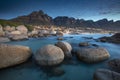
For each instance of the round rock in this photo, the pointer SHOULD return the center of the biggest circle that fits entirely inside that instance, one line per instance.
(11, 55)
(66, 47)
(49, 55)
(92, 55)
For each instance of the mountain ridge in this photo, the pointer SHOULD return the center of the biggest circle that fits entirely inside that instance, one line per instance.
(41, 18)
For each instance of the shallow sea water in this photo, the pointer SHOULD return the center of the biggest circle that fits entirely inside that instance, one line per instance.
(71, 69)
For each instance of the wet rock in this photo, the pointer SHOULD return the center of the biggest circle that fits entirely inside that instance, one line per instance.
(11, 55)
(66, 47)
(104, 74)
(84, 44)
(59, 33)
(60, 38)
(113, 39)
(104, 39)
(49, 55)
(115, 64)
(92, 55)
(95, 45)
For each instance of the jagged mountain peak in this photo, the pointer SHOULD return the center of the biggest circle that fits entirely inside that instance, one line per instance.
(34, 18)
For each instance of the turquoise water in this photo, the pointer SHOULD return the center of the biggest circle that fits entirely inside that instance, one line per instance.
(69, 70)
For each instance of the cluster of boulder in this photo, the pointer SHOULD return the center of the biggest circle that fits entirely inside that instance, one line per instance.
(8, 33)
(44, 33)
(20, 32)
(51, 55)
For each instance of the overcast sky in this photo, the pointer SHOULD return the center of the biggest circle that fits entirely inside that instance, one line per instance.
(86, 9)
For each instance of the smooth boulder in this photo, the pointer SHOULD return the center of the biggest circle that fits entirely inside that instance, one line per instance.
(104, 74)
(11, 55)
(22, 29)
(19, 37)
(92, 55)
(66, 47)
(4, 39)
(49, 55)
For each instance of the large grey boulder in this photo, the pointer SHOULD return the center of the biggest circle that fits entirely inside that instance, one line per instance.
(19, 37)
(49, 55)
(22, 29)
(92, 55)
(66, 47)
(4, 39)
(16, 35)
(11, 55)
(104, 74)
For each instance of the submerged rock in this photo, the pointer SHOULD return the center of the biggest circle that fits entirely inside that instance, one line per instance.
(60, 38)
(84, 44)
(92, 55)
(57, 72)
(115, 64)
(66, 47)
(104, 74)
(11, 55)
(49, 55)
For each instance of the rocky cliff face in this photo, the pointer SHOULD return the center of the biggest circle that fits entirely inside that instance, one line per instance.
(35, 18)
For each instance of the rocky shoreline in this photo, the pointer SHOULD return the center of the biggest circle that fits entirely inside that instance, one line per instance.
(11, 33)
(52, 55)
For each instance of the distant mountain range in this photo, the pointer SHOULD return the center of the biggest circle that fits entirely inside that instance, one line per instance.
(40, 18)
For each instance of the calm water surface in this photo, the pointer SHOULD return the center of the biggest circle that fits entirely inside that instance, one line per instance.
(69, 70)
